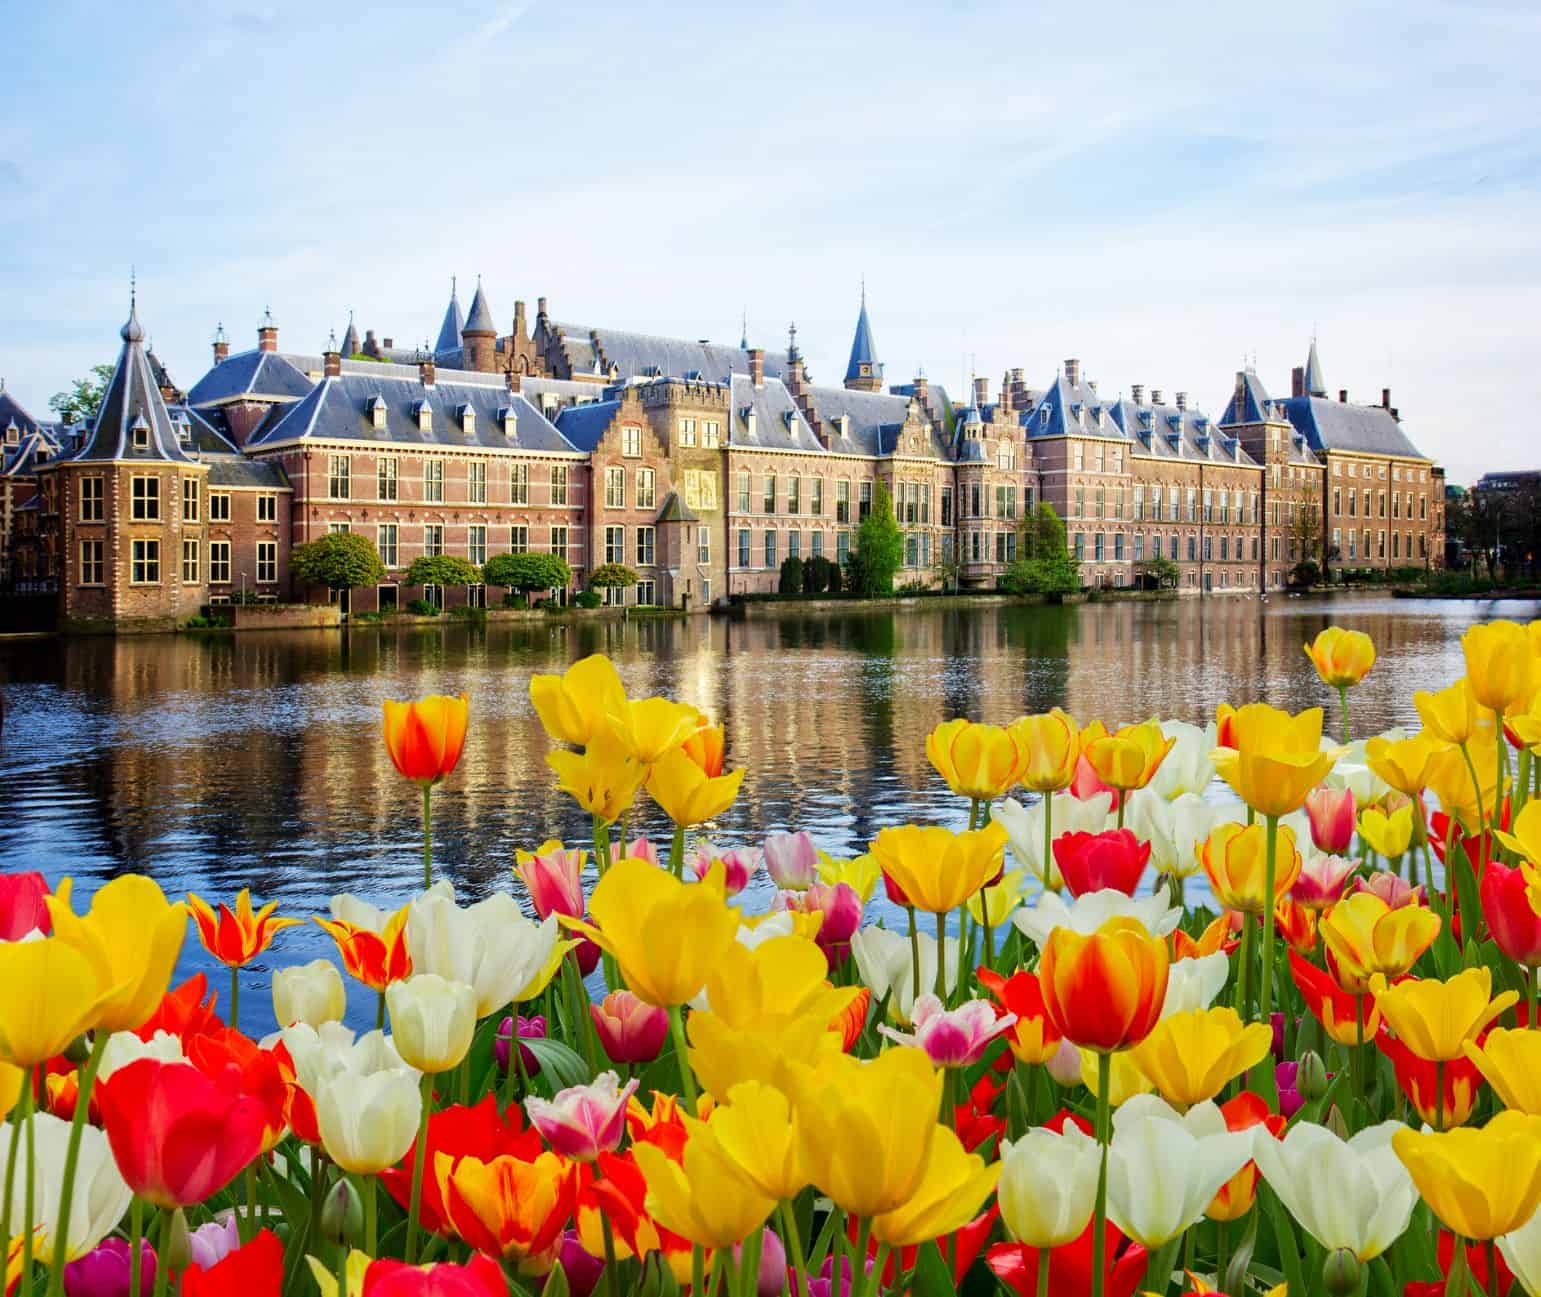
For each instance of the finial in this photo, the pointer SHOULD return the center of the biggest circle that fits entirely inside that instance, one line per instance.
(453, 287)
(743, 330)
(331, 340)
(864, 290)
(133, 288)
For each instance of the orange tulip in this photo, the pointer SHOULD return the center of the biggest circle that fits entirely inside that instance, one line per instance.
(1215, 938)
(706, 747)
(1033, 1038)
(375, 958)
(237, 937)
(1235, 857)
(1296, 924)
(508, 1207)
(852, 1019)
(1129, 757)
(1341, 657)
(424, 738)
(1104, 992)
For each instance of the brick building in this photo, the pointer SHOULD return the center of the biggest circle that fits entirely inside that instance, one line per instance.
(701, 465)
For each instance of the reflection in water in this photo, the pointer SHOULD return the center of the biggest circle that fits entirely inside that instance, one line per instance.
(213, 764)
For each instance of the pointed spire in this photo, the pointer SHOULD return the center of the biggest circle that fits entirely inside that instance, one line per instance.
(863, 370)
(743, 331)
(480, 319)
(350, 342)
(793, 354)
(449, 331)
(1316, 385)
(132, 330)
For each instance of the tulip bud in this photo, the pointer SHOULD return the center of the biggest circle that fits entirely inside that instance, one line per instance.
(1340, 1273)
(342, 1217)
(1311, 1078)
(1335, 1122)
(78, 1050)
(179, 1247)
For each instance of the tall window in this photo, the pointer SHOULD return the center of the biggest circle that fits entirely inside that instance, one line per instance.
(842, 547)
(711, 433)
(559, 541)
(770, 493)
(219, 562)
(219, 506)
(816, 506)
(476, 483)
(615, 544)
(146, 500)
(433, 539)
(615, 488)
(794, 494)
(703, 544)
(190, 562)
(91, 565)
(91, 500)
(267, 562)
(631, 441)
(794, 543)
(385, 477)
(864, 501)
(687, 432)
(743, 493)
(433, 481)
(646, 490)
(646, 546)
(519, 539)
(947, 506)
(339, 477)
(519, 484)
(818, 543)
(843, 500)
(476, 543)
(744, 543)
(387, 544)
(146, 562)
(770, 548)
(190, 500)
(559, 484)
(267, 508)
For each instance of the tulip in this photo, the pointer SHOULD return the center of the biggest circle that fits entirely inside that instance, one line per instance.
(255, 1270)
(1048, 1209)
(1193, 983)
(1125, 1080)
(432, 1021)
(553, 876)
(955, 1185)
(1442, 1092)
(1191, 1056)
(583, 1121)
(50, 992)
(739, 865)
(1071, 1270)
(1514, 924)
(1450, 716)
(629, 1030)
(1215, 939)
(687, 794)
(1341, 657)
(1331, 813)
(1402, 763)
(937, 868)
(1174, 830)
(1321, 881)
(1187, 769)
(1392, 890)
(1510, 1059)
(1387, 834)
(1050, 746)
(1090, 862)
(424, 740)
(481, 1276)
(705, 1197)
(1196, 1157)
(105, 1271)
(841, 909)
(1479, 1183)
(791, 860)
(650, 727)
(639, 848)
(1352, 1194)
(311, 993)
(1033, 1039)
(576, 707)
(23, 905)
(503, 1043)
(603, 780)
(1295, 924)
(1286, 1080)
(178, 1135)
(757, 1130)
(373, 945)
(1276, 759)
(367, 1121)
(236, 937)
(1088, 913)
(1366, 936)
(1246, 1112)
(1236, 861)
(1129, 757)
(1500, 665)
(860, 873)
(1349, 1017)
(490, 946)
(980, 762)
(952, 1038)
(97, 1204)
(1435, 1019)
(707, 747)
(1031, 829)
(211, 1243)
(1104, 991)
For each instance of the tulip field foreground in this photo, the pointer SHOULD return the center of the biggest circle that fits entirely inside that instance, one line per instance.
(1054, 1075)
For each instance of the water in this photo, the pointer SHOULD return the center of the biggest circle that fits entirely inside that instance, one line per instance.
(218, 763)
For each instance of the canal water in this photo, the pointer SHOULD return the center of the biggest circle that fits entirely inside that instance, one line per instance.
(255, 761)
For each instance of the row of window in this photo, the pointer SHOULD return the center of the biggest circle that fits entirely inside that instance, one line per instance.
(1224, 551)
(145, 562)
(643, 494)
(1366, 495)
(1361, 544)
(478, 536)
(145, 501)
(1413, 474)
(644, 552)
(339, 481)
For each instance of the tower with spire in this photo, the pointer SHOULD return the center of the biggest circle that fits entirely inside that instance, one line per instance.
(863, 373)
(449, 331)
(479, 333)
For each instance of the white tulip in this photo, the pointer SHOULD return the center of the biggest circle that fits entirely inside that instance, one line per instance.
(1175, 829)
(320, 1054)
(124, 1047)
(1194, 983)
(490, 946)
(1354, 1194)
(97, 1203)
(1522, 1250)
(885, 962)
(311, 993)
(1024, 827)
(779, 924)
(1065, 1065)
(1164, 1168)
(369, 1120)
(1088, 913)
(432, 1021)
(1187, 767)
(359, 913)
(1048, 1185)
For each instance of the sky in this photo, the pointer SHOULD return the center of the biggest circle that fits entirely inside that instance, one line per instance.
(1166, 192)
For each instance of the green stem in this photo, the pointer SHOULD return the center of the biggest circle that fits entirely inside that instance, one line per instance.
(86, 1083)
(698, 1270)
(989, 932)
(419, 1160)
(577, 1009)
(427, 847)
(963, 949)
(162, 1251)
(1356, 1064)
(29, 1216)
(1490, 1250)
(1045, 1257)
(677, 852)
(136, 1244)
(246, 1230)
(1244, 969)
(914, 954)
(973, 814)
(371, 1218)
(1265, 988)
(602, 846)
(859, 1257)
(1048, 839)
(1457, 1285)
(687, 1078)
(235, 996)
(1521, 785)
(794, 1243)
(1343, 698)
(10, 1191)
(1221, 1255)
(941, 959)
(1123, 796)
(1530, 997)
(1100, 1215)
(748, 1262)
(380, 1012)
(317, 1193)
(612, 1277)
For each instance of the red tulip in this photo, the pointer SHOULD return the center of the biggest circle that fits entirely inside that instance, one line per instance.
(1070, 1267)
(1330, 812)
(481, 1276)
(185, 1012)
(255, 1270)
(975, 1121)
(22, 907)
(1090, 862)
(236, 1060)
(1476, 1262)
(176, 1134)
(629, 1030)
(1506, 907)
(1336, 1009)
(1419, 1081)
(959, 1250)
(1087, 783)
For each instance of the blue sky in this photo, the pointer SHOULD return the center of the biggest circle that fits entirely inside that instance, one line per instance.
(1159, 190)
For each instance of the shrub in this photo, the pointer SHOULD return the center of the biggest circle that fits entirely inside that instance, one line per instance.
(611, 576)
(527, 572)
(443, 569)
(515, 601)
(466, 613)
(1305, 572)
(791, 576)
(342, 560)
(422, 608)
(833, 576)
(587, 599)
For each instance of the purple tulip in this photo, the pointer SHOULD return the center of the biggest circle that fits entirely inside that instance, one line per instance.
(1276, 1021)
(213, 1242)
(529, 1029)
(773, 1264)
(1290, 1101)
(104, 1271)
(582, 1269)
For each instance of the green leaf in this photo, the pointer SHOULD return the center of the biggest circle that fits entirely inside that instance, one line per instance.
(1241, 1257)
(559, 1063)
(933, 1276)
(1284, 1239)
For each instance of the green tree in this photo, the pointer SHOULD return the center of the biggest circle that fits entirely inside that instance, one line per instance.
(343, 560)
(612, 576)
(1045, 565)
(879, 547)
(84, 397)
(527, 573)
(442, 570)
(1157, 573)
(791, 579)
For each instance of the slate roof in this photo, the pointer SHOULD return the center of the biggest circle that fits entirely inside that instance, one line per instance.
(584, 425)
(207, 429)
(674, 509)
(260, 375)
(1338, 425)
(131, 402)
(876, 419)
(1316, 385)
(238, 471)
(480, 319)
(1067, 408)
(21, 460)
(340, 408)
(1250, 403)
(13, 412)
(778, 423)
(449, 331)
(863, 349)
(626, 355)
(1165, 432)
(937, 403)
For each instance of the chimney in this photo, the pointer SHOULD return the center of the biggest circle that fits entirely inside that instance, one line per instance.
(1182, 400)
(1155, 396)
(519, 330)
(221, 345)
(1298, 381)
(540, 308)
(511, 379)
(331, 359)
(1008, 403)
(1343, 395)
(267, 333)
(922, 388)
(371, 344)
(1137, 393)
(425, 371)
(981, 392)
(1385, 398)
(1073, 372)
(757, 366)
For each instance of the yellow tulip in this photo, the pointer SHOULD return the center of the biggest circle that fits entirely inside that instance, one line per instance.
(709, 1200)
(575, 707)
(648, 728)
(995, 904)
(1510, 1059)
(1190, 1056)
(1480, 1183)
(1050, 746)
(50, 992)
(1129, 757)
(1526, 838)
(1366, 937)
(978, 761)
(950, 1194)
(1450, 778)
(724, 1056)
(866, 1128)
(687, 793)
(1402, 763)
(1500, 665)
(1526, 725)
(10, 1086)
(1341, 657)
(603, 779)
(1275, 759)
(1451, 715)
(1388, 835)
(667, 936)
(936, 868)
(781, 978)
(757, 1129)
(141, 934)
(1235, 860)
(1125, 1079)
(1435, 1019)
(860, 872)
(357, 1266)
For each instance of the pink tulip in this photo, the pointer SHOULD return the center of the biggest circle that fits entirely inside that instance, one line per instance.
(1331, 813)
(1087, 783)
(1391, 888)
(740, 863)
(840, 906)
(630, 1030)
(792, 860)
(953, 1037)
(22, 907)
(529, 1029)
(583, 1121)
(1321, 881)
(1065, 1066)
(211, 1243)
(641, 849)
(554, 877)
(772, 1277)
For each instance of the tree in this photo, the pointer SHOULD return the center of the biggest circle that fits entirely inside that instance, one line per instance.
(84, 397)
(1158, 573)
(527, 573)
(612, 576)
(1046, 566)
(816, 574)
(343, 560)
(442, 570)
(791, 579)
(879, 547)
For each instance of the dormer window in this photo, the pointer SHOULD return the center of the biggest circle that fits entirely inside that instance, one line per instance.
(468, 420)
(1043, 415)
(749, 421)
(12, 433)
(424, 417)
(184, 433)
(791, 417)
(140, 433)
(377, 413)
(844, 423)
